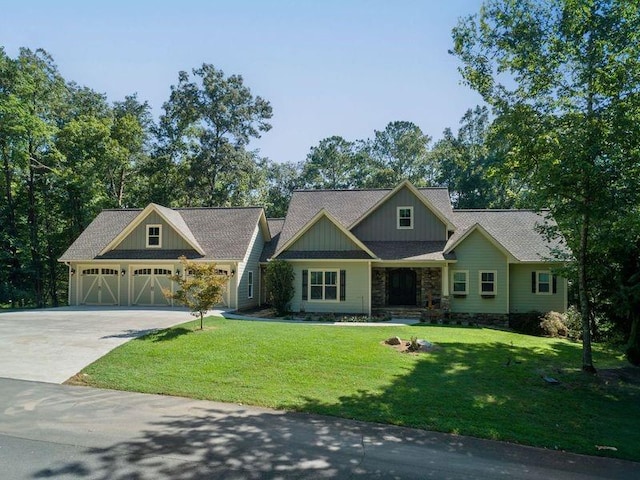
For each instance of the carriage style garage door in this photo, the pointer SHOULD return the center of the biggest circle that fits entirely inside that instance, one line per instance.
(147, 284)
(100, 285)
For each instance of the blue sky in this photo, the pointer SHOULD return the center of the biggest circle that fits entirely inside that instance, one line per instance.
(328, 67)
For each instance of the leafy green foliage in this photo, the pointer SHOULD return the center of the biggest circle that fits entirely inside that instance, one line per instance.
(279, 279)
(562, 78)
(200, 287)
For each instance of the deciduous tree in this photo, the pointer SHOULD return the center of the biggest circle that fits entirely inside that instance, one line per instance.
(563, 78)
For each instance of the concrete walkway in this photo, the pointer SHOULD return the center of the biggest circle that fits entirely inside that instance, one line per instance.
(64, 432)
(51, 345)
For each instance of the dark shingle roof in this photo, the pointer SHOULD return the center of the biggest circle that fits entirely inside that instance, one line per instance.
(409, 250)
(346, 206)
(275, 227)
(222, 233)
(516, 230)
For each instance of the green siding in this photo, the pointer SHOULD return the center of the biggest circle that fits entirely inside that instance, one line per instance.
(523, 300)
(381, 225)
(357, 288)
(323, 235)
(137, 240)
(474, 254)
(252, 264)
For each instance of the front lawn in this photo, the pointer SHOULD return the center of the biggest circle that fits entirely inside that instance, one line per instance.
(480, 382)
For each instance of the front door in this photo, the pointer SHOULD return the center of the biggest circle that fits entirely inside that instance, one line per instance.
(402, 287)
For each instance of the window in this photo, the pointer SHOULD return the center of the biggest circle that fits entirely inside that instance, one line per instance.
(405, 218)
(110, 271)
(142, 271)
(323, 285)
(161, 271)
(250, 285)
(543, 283)
(460, 282)
(154, 236)
(91, 271)
(487, 283)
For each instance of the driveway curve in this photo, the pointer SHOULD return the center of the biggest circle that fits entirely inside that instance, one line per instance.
(51, 345)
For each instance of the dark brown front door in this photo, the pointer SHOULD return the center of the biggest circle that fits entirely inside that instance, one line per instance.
(402, 287)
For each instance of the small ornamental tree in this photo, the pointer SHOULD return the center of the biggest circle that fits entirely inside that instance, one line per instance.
(279, 282)
(200, 289)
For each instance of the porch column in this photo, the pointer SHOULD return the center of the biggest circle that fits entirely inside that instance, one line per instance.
(370, 290)
(445, 280)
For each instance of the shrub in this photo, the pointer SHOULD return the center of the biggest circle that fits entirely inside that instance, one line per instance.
(573, 321)
(527, 323)
(279, 281)
(553, 325)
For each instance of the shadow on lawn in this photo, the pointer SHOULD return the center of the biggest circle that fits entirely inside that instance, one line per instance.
(499, 391)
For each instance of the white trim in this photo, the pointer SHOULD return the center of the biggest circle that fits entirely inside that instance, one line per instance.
(323, 213)
(324, 285)
(152, 207)
(550, 282)
(148, 227)
(466, 282)
(369, 291)
(487, 235)
(423, 198)
(411, 218)
(495, 282)
(445, 280)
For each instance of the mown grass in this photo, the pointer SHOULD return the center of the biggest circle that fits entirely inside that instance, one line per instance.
(480, 382)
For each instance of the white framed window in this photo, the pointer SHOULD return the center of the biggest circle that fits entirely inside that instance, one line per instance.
(543, 282)
(460, 282)
(154, 236)
(250, 284)
(405, 218)
(487, 282)
(323, 285)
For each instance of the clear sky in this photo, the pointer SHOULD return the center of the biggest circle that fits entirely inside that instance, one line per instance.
(328, 67)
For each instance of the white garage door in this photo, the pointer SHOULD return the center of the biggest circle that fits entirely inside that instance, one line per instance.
(147, 284)
(100, 285)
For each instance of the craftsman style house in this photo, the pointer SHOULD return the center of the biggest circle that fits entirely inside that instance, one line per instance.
(353, 251)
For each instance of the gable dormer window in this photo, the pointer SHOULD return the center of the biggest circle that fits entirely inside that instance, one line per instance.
(154, 236)
(405, 218)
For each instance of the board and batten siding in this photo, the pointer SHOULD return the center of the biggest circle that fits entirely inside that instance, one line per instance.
(476, 253)
(381, 225)
(323, 235)
(356, 292)
(523, 299)
(251, 263)
(137, 240)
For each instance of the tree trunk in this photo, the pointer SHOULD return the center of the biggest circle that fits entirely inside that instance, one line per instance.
(32, 218)
(12, 229)
(585, 307)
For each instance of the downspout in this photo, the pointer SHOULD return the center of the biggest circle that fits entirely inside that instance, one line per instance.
(369, 289)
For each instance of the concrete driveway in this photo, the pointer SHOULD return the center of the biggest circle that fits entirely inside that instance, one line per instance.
(54, 344)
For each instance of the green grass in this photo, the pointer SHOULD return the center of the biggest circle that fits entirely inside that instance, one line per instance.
(481, 382)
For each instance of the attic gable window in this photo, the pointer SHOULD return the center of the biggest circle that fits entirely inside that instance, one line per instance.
(405, 218)
(154, 236)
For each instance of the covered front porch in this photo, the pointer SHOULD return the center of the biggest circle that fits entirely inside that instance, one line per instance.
(414, 291)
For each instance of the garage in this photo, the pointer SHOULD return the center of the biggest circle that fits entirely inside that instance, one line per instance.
(147, 283)
(100, 285)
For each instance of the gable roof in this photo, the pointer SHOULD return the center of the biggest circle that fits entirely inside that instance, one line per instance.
(172, 218)
(221, 234)
(516, 231)
(420, 195)
(323, 213)
(348, 206)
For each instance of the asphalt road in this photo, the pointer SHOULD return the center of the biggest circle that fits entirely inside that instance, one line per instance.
(65, 432)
